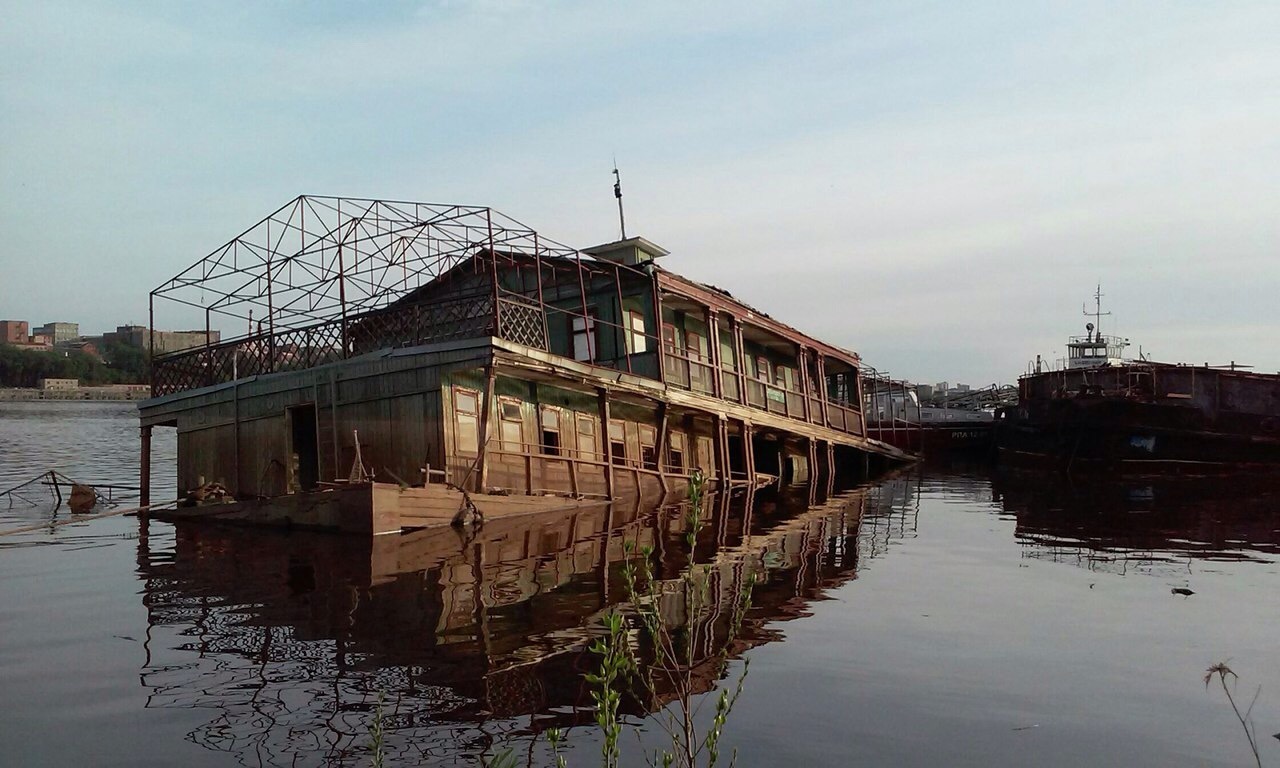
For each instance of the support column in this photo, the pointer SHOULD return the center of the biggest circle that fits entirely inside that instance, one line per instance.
(813, 461)
(490, 380)
(606, 449)
(831, 467)
(713, 351)
(660, 446)
(721, 452)
(749, 454)
(806, 386)
(823, 419)
(144, 469)
(735, 327)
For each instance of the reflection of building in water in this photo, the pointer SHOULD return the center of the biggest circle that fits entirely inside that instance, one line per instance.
(290, 638)
(1154, 525)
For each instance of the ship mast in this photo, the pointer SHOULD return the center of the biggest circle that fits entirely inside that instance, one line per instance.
(1097, 313)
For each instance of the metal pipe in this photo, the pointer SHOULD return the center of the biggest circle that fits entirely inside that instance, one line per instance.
(627, 333)
(342, 283)
(271, 323)
(493, 261)
(587, 325)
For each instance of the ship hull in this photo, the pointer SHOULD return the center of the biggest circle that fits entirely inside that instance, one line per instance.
(1141, 430)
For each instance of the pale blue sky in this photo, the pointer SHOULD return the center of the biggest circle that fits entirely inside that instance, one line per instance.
(937, 186)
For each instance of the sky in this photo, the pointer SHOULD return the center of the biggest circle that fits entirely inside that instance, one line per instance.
(938, 186)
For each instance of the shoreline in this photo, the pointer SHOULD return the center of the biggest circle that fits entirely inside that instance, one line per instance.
(16, 394)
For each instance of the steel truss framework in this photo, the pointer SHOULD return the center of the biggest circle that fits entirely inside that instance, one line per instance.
(325, 278)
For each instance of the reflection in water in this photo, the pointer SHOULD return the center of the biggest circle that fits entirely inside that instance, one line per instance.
(289, 639)
(1157, 526)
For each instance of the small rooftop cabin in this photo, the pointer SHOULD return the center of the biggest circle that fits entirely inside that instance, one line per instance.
(1094, 350)
(423, 344)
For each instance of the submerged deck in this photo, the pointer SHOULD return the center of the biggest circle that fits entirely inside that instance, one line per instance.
(377, 508)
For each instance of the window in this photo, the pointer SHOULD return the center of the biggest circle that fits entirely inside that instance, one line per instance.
(669, 338)
(762, 369)
(727, 357)
(466, 412)
(637, 341)
(550, 430)
(693, 343)
(618, 442)
(583, 330)
(512, 425)
(675, 454)
(648, 447)
(587, 446)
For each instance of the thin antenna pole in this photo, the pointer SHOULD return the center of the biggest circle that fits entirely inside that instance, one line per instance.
(617, 192)
(1097, 313)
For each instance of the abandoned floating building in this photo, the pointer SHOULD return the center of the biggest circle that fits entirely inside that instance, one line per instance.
(451, 347)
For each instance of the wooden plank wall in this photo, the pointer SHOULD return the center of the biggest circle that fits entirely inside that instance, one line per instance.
(392, 400)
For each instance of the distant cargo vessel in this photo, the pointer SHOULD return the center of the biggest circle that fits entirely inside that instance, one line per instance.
(895, 415)
(1103, 411)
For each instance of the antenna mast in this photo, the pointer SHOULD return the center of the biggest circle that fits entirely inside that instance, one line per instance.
(617, 192)
(1097, 313)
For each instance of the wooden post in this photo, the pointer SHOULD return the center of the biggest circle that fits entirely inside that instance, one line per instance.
(605, 446)
(485, 418)
(660, 447)
(749, 454)
(713, 351)
(822, 391)
(813, 461)
(831, 467)
(802, 376)
(144, 470)
(721, 452)
(739, 349)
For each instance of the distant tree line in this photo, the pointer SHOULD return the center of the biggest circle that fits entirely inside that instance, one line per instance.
(120, 364)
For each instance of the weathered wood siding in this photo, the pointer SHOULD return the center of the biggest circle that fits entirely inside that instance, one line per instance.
(390, 399)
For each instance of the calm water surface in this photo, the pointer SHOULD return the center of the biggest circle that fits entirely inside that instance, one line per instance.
(937, 617)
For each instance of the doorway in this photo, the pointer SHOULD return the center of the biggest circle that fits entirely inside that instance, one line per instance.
(306, 453)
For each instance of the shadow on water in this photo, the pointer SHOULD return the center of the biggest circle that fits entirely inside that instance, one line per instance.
(472, 640)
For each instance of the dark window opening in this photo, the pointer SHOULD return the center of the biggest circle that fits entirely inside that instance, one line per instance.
(550, 431)
(648, 451)
(617, 442)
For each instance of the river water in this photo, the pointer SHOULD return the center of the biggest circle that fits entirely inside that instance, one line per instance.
(939, 616)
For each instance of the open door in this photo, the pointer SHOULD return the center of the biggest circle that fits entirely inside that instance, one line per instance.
(305, 447)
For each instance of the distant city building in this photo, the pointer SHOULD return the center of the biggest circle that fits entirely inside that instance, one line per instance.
(924, 391)
(14, 331)
(165, 341)
(41, 339)
(61, 332)
(59, 384)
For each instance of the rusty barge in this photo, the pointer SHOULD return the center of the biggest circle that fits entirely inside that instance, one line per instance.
(403, 362)
(1102, 411)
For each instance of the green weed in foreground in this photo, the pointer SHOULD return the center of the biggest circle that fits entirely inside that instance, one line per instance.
(665, 655)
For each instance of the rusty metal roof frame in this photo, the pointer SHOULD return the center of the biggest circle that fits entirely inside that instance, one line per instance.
(317, 259)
